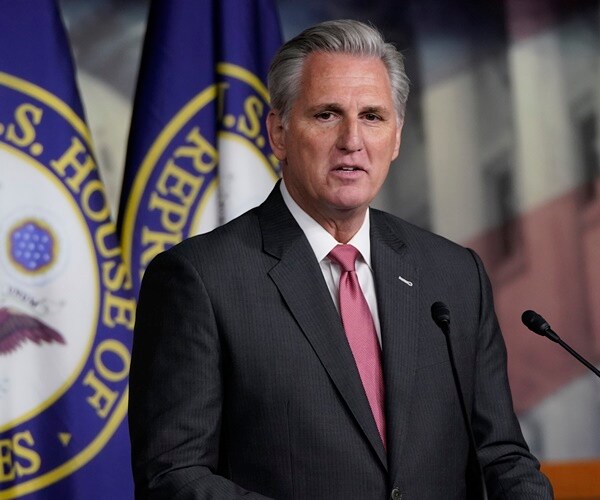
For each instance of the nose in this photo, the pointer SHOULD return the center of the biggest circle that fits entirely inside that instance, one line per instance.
(350, 137)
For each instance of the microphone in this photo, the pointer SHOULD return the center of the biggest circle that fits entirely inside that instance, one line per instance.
(537, 324)
(441, 316)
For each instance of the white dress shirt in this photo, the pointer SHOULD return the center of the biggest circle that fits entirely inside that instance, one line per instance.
(322, 243)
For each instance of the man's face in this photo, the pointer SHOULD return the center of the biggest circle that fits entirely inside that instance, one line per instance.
(341, 136)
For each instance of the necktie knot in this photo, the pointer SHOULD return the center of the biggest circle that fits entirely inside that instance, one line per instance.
(345, 256)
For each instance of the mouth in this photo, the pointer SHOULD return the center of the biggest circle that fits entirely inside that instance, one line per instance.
(348, 168)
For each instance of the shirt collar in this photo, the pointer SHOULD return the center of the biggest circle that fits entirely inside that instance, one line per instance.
(320, 240)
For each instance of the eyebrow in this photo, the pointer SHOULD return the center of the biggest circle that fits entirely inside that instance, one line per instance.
(328, 106)
(378, 110)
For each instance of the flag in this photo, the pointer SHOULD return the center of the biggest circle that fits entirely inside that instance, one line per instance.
(66, 306)
(198, 152)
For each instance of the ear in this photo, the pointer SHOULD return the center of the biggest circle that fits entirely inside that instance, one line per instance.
(276, 135)
(398, 140)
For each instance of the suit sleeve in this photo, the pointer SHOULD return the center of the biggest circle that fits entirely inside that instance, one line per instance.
(510, 470)
(176, 388)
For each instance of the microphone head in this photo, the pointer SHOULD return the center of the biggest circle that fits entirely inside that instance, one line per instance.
(535, 322)
(440, 314)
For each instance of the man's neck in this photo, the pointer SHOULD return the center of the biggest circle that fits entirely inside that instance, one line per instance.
(341, 224)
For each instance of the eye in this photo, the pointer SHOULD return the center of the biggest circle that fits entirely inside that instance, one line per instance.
(325, 116)
(372, 117)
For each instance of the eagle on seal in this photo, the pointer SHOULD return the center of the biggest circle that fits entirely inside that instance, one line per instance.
(16, 328)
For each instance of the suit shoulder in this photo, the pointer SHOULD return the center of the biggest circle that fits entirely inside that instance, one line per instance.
(448, 268)
(230, 238)
(417, 238)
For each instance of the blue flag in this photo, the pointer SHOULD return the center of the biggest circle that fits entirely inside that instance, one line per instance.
(198, 152)
(66, 306)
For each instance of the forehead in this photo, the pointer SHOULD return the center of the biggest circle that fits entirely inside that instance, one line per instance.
(344, 72)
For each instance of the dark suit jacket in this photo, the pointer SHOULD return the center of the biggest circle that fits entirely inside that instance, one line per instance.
(242, 379)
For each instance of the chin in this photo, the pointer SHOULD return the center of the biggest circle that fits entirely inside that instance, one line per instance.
(352, 195)
(349, 204)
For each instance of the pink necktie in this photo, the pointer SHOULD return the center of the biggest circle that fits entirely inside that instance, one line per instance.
(361, 333)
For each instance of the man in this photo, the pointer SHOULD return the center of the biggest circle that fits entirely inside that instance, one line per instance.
(263, 368)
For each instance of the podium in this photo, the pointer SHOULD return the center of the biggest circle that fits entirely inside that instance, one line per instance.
(574, 480)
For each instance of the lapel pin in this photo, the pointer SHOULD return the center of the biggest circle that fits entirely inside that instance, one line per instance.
(404, 280)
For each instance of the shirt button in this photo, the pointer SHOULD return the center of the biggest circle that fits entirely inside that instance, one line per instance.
(395, 495)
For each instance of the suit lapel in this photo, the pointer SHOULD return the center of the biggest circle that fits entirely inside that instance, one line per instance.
(299, 279)
(398, 305)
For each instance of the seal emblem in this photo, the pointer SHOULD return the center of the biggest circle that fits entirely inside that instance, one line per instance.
(66, 307)
(174, 193)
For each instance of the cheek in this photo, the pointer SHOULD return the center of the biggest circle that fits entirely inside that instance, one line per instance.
(381, 175)
(319, 138)
(386, 150)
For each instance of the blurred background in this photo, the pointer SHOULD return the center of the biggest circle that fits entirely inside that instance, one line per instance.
(500, 152)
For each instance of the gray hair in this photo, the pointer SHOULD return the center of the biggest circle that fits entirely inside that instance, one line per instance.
(344, 36)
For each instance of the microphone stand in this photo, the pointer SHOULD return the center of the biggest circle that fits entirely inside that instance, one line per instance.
(441, 316)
